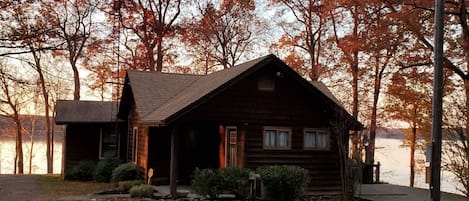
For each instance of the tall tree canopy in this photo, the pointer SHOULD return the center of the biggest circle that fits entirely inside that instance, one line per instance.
(222, 34)
(154, 23)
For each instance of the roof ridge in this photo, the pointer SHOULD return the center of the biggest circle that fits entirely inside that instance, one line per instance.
(165, 73)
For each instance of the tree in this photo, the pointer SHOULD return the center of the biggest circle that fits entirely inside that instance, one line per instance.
(73, 24)
(154, 22)
(418, 19)
(30, 30)
(12, 100)
(222, 34)
(306, 34)
(455, 157)
(409, 100)
(349, 44)
(383, 42)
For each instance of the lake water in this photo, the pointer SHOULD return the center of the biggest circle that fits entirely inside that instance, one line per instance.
(395, 166)
(393, 157)
(39, 162)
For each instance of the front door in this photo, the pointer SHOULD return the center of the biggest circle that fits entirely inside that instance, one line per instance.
(231, 146)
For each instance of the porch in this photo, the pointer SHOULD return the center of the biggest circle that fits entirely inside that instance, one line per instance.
(186, 147)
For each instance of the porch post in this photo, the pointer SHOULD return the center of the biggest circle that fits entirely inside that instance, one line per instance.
(174, 163)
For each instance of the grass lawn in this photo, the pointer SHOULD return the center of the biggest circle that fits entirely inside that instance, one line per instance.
(52, 187)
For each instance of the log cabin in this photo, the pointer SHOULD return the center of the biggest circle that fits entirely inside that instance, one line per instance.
(254, 114)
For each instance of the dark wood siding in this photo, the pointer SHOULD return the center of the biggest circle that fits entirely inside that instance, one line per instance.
(323, 166)
(288, 105)
(142, 148)
(82, 143)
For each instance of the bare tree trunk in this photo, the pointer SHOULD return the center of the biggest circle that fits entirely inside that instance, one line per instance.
(31, 155)
(52, 132)
(412, 156)
(159, 55)
(76, 78)
(370, 152)
(354, 71)
(16, 164)
(19, 144)
(33, 129)
(45, 95)
(346, 169)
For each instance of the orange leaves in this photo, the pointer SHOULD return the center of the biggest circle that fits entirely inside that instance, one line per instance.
(154, 23)
(220, 36)
(295, 61)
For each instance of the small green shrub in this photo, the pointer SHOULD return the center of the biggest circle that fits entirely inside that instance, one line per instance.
(141, 191)
(210, 183)
(235, 180)
(125, 186)
(104, 169)
(206, 182)
(283, 183)
(84, 171)
(125, 172)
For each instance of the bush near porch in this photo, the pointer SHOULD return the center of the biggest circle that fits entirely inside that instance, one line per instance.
(283, 183)
(280, 183)
(211, 183)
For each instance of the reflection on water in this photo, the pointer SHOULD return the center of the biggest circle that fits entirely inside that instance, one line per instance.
(393, 157)
(39, 162)
(395, 166)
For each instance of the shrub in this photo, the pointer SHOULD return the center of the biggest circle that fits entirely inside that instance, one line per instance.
(140, 191)
(125, 186)
(103, 171)
(210, 183)
(84, 171)
(125, 172)
(206, 183)
(235, 180)
(283, 183)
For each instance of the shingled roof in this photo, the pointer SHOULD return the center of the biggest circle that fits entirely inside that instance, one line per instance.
(152, 89)
(162, 97)
(70, 111)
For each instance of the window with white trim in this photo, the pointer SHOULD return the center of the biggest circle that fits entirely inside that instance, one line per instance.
(316, 139)
(277, 138)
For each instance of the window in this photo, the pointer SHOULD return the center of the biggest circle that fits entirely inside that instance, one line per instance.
(134, 144)
(231, 146)
(108, 147)
(316, 139)
(266, 83)
(277, 138)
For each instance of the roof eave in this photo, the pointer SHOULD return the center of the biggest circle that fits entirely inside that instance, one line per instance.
(153, 123)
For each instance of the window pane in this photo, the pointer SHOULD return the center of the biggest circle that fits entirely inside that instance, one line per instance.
(269, 138)
(322, 140)
(283, 138)
(108, 143)
(310, 140)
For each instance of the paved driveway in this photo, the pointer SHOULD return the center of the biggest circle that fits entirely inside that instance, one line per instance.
(14, 187)
(388, 192)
